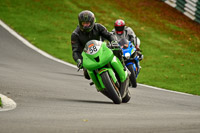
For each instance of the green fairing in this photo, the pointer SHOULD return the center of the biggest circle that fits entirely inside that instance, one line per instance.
(116, 64)
(90, 63)
(106, 56)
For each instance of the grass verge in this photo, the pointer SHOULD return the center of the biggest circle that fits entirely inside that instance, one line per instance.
(169, 40)
(1, 105)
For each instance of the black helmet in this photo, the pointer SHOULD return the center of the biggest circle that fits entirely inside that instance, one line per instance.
(86, 17)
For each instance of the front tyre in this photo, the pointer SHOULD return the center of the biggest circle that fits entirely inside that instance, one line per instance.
(127, 97)
(111, 88)
(132, 76)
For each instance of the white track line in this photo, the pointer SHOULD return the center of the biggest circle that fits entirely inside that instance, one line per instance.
(156, 88)
(66, 63)
(32, 46)
(8, 104)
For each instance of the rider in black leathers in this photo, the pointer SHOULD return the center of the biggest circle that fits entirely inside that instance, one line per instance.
(88, 30)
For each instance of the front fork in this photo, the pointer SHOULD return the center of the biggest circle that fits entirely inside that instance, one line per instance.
(136, 65)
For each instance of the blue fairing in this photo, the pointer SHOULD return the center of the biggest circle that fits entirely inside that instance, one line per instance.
(131, 49)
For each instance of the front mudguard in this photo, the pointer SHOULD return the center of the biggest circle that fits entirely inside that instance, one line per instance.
(131, 63)
(97, 80)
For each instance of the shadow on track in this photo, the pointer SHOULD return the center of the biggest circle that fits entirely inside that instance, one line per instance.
(86, 101)
(71, 74)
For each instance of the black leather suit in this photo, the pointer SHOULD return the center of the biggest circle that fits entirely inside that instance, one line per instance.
(80, 38)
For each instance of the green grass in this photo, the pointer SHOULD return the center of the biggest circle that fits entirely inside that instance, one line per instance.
(1, 105)
(171, 50)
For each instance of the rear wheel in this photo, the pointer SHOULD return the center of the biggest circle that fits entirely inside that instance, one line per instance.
(132, 76)
(111, 88)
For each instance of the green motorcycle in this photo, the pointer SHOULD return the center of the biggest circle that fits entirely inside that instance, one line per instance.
(106, 71)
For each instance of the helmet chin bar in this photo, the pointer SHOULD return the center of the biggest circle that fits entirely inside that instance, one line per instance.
(119, 32)
(86, 24)
(87, 28)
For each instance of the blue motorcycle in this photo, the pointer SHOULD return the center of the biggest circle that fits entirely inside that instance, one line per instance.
(131, 60)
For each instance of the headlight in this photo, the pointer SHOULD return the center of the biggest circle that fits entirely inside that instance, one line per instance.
(127, 55)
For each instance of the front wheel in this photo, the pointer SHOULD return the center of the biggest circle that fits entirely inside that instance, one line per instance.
(111, 88)
(132, 76)
(127, 97)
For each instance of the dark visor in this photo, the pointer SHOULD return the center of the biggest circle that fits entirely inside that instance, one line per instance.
(120, 28)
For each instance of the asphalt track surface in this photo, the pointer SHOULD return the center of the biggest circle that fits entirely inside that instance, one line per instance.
(54, 98)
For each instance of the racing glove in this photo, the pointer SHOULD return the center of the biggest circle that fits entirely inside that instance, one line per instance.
(79, 63)
(114, 44)
(137, 48)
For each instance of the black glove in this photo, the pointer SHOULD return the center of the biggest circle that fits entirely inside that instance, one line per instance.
(79, 63)
(114, 44)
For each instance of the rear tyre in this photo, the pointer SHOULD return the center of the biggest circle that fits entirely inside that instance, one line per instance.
(111, 88)
(132, 76)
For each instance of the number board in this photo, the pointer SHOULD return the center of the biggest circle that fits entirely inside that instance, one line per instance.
(93, 49)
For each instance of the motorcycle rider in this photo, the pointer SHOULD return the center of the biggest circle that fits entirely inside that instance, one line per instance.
(88, 30)
(122, 31)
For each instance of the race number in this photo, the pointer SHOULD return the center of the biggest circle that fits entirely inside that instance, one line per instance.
(93, 49)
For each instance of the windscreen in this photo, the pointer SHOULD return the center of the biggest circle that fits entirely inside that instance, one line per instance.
(124, 43)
